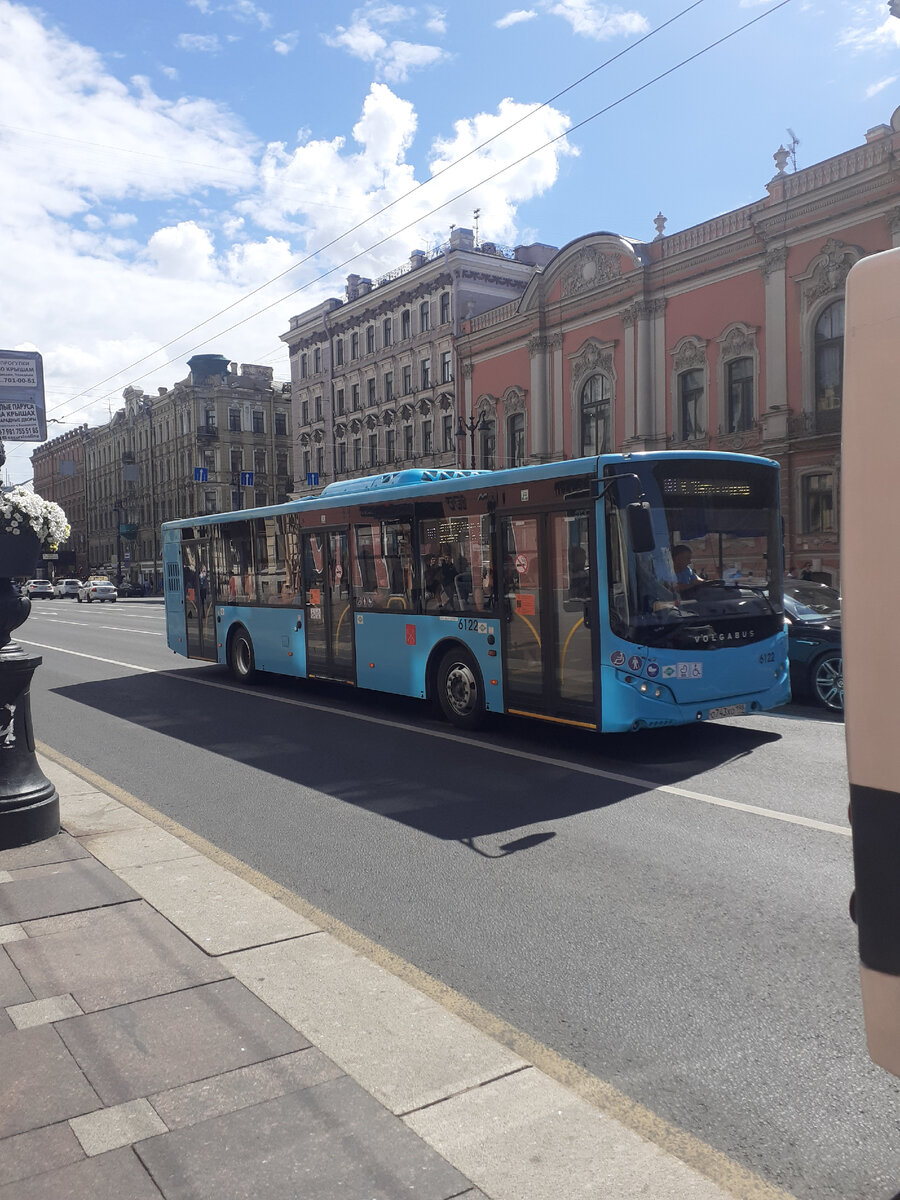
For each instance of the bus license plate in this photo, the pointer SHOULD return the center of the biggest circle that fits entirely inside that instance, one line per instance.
(730, 710)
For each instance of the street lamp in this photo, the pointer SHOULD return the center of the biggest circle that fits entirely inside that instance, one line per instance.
(471, 427)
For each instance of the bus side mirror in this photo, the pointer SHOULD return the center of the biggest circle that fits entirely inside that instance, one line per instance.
(640, 527)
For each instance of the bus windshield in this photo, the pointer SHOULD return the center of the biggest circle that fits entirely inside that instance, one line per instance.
(710, 576)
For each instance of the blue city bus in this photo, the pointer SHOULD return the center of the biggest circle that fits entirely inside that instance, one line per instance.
(552, 591)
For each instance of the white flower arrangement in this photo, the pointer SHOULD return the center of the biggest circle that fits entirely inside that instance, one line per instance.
(22, 511)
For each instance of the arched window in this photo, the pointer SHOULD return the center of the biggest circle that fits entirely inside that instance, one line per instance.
(488, 444)
(740, 394)
(690, 405)
(596, 397)
(515, 440)
(829, 360)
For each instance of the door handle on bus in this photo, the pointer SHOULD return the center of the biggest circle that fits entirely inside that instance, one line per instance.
(587, 616)
(299, 625)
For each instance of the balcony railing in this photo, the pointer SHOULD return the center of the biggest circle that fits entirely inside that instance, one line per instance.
(207, 433)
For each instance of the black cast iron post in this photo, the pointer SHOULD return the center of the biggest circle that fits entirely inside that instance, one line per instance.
(29, 804)
(471, 427)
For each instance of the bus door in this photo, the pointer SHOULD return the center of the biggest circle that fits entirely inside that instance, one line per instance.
(329, 619)
(548, 602)
(198, 605)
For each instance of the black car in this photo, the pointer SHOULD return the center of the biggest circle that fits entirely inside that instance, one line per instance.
(813, 611)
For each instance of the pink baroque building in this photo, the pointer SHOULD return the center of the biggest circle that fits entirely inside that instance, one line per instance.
(725, 336)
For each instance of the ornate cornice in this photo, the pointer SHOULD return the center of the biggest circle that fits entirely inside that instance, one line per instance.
(829, 271)
(514, 400)
(737, 341)
(591, 268)
(775, 260)
(592, 358)
(486, 406)
(690, 352)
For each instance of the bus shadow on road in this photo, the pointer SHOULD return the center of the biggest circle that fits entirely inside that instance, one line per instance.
(449, 785)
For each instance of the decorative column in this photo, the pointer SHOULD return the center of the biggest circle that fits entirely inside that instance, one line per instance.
(628, 318)
(645, 429)
(557, 434)
(29, 805)
(775, 417)
(540, 400)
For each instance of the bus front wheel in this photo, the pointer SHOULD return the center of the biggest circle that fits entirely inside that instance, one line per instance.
(460, 691)
(241, 659)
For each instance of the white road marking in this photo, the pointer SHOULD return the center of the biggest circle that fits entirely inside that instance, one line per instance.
(115, 628)
(189, 676)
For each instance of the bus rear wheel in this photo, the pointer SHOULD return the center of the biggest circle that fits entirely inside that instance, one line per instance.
(460, 691)
(241, 659)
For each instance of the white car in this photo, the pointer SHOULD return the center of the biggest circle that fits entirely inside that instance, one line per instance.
(39, 589)
(97, 589)
(67, 587)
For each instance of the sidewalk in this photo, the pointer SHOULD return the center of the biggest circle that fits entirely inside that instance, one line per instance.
(167, 1029)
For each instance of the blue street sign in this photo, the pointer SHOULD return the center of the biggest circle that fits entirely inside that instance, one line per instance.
(312, 479)
(246, 479)
(201, 474)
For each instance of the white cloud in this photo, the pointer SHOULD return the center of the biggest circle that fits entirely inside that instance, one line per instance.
(393, 59)
(144, 215)
(204, 43)
(874, 88)
(437, 22)
(598, 20)
(286, 43)
(169, 72)
(869, 30)
(241, 10)
(516, 17)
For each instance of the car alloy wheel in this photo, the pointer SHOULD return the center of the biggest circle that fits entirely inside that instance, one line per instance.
(828, 681)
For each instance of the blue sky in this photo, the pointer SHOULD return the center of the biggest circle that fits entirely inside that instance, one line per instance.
(161, 163)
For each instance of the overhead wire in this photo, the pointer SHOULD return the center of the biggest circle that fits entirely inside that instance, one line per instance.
(391, 204)
(424, 216)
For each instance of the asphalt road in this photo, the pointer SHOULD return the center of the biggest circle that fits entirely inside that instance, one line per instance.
(668, 910)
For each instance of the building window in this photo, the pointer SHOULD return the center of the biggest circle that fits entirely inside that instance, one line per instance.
(339, 351)
(390, 443)
(407, 380)
(424, 317)
(317, 359)
(404, 323)
(446, 367)
(829, 359)
(340, 400)
(370, 339)
(304, 413)
(210, 419)
(234, 421)
(261, 499)
(281, 462)
(342, 456)
(389, 385)
(515, 440)
(447, 424)
(818, 503)
(739, 375)
(386, 332)
(426, 372)
(259, 425)
(427, 446)
(318, 408)
(596, 405)
(357, 453)
(209, 459)
(306, 464)
(445, 307)
(373, 449)
(280, 424)
(488, 445)
(690, 403)
(304, 365)
(259, 461)
(237, 458)
(320, 462)
(354, 397)
(407, 441)
(370, 392)
(354, 345)
(237, 500)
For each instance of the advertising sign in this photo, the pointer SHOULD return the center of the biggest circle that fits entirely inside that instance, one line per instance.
(23, 416)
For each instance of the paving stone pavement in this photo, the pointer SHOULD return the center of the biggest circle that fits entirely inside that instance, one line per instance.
(168, 1030)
